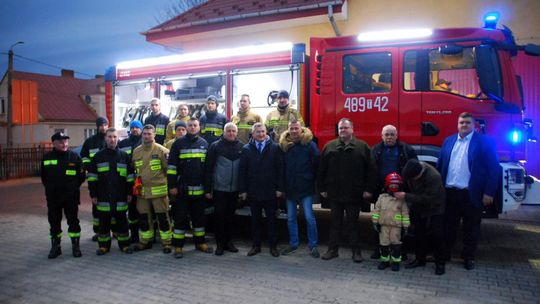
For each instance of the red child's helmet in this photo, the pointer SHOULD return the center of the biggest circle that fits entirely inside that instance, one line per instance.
(393, 182)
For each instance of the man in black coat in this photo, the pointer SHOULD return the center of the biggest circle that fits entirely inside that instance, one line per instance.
(261, 182)
(345, 178)
(62, 174)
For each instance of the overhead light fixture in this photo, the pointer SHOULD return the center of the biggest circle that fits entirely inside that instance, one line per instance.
(395, 35)
(206, 55)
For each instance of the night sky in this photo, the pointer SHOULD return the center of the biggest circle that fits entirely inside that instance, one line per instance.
(85, 36)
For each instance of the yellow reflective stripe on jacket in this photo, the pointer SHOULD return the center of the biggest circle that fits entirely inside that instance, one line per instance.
(195, 190)
(121, 206)
(244, 126)
(138, 163)
(102, 167)
(216, 131)
(86, 160)
(126, 149)
(93, 152)
(92, 177)
(375, 216)
(122, 169)
(130, 178)
(171, 170)
(405, 220)
(397, 218)
(51, 162)
(192, 153)
(155, 164)
(71, 172)
(160, 129)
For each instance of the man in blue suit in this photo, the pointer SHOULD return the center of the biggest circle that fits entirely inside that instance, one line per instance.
(470, 172)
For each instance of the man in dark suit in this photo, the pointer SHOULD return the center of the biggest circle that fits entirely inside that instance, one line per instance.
(470, 172)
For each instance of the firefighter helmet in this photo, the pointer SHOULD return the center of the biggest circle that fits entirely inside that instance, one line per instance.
(393, 182)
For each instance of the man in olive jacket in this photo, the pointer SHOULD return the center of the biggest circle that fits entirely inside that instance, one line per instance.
(427, 200)
(345, 178)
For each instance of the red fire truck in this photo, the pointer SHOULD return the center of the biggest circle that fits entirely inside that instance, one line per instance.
(418, 80)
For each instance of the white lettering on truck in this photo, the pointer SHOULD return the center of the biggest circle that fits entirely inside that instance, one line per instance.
(362, 104)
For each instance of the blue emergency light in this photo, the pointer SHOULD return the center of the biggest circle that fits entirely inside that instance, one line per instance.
(490, 20)
(515, 137)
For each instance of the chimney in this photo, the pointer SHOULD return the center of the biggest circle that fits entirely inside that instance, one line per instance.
(68, 73)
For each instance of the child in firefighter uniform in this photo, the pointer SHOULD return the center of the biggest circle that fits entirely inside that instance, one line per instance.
(389, 217)
(62, 175)
(110, 182)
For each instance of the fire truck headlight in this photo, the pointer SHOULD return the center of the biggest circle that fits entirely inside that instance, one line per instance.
(490, 20)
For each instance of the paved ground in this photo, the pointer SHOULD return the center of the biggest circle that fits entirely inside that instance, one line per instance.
(508, 270)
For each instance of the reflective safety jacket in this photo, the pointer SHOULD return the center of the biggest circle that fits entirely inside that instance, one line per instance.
(170, 133)
(129, 144)
(212, 124)
(110, 179)
(245, 120)
(186, 165)
(62, 174)
(390, 211)
(160, 122)
(278, 120)
(90, 147)
(150, 163)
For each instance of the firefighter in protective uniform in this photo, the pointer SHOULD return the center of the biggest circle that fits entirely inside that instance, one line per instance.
(389, 217)
(128, 145)
(62, 175)
(278, 120)
(212, 122)
(245, 119)
(186, 180)
(90, 147)
(110, 182)
(150, 163)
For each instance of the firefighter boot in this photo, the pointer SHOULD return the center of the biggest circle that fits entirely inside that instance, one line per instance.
(142, 246)
(55, 248)
(75, 248)
(203, 247)
(134, 235)
(396, 257)
(384, 257)
(178, 252)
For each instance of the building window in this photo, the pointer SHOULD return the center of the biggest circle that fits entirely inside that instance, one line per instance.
(89, 132)
(2, 105)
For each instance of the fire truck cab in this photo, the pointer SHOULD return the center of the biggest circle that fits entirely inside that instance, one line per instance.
(420, 85)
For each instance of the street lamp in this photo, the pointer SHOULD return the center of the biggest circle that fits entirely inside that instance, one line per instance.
(10, 94)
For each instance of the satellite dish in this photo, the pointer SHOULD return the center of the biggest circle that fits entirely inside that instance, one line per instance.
(88, 99)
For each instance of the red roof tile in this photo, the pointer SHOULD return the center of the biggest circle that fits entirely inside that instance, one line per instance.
(256, 11)
(59, 98)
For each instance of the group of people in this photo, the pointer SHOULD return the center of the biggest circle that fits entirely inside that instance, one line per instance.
(174, 168)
